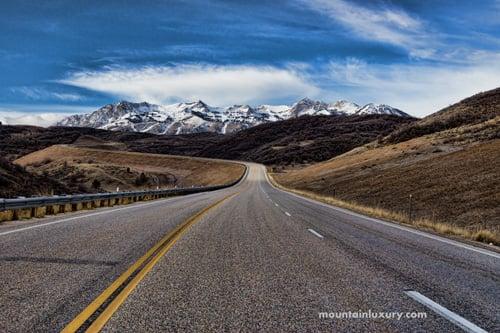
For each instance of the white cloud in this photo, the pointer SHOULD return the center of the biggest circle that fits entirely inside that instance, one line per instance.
(39, 115)
(382, 24)
(25, 118)
(216, 85)
(417, 89)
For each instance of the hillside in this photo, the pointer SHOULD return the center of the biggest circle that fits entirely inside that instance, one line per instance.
(95, 170)
(17, 141)
(16, 181)
(303, 140)
(453, 175)
(473, 110)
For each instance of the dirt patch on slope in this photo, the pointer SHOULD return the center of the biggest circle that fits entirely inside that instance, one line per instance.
(90, 170)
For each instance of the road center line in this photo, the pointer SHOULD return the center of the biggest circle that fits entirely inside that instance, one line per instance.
(276, 204)
(287, 214)
(315, 233)
(108, 302)
(444, 312)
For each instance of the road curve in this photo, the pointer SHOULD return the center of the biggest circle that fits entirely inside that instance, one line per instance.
(262, 260)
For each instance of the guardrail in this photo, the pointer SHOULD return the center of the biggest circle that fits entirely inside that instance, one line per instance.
(106, 198)
(20, 203)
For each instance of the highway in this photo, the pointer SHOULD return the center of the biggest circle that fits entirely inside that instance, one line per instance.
(250, 258)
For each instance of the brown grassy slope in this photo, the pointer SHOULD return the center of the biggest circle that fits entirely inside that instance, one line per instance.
(16, 181)
(473, 110)
(78, 167)
(453, 176)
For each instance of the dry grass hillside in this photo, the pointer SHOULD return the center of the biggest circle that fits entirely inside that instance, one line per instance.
(16, 181)
(453, 176)
(473, 110)
(84, 169)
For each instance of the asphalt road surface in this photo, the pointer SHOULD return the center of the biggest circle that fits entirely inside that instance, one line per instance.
(260, 260)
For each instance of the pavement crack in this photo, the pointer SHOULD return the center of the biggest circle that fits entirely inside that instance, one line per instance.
(60, 261)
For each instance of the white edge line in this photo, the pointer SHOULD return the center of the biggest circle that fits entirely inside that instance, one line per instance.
(444, 312)
(287, 214)
(315, 233)
(72, 218)
(393, 225)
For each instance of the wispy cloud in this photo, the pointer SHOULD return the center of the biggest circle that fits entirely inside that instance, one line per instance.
(191, 51)
(381, 24)
(417, 89)
(39, 94)
(217, 85)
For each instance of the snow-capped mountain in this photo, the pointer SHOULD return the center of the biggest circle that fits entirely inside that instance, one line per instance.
(182, 118)
(380, 109)
(307, 106)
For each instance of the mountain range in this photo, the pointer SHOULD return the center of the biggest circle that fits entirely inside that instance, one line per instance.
(196, 117)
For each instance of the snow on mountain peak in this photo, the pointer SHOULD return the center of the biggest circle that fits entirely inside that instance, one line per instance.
(198, 116)
(372, 108)
(307, 106)
(344, 106)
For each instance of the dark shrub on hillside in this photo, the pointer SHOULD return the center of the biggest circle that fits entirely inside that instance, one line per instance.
(304, 139)
(472, 110)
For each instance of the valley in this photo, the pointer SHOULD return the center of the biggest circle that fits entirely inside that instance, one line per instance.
(447, 161)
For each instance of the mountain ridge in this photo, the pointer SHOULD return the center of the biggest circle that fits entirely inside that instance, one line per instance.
(196, 117)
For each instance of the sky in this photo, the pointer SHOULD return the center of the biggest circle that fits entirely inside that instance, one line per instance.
(60, 57)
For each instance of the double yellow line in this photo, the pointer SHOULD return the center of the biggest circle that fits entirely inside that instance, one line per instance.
(126, 283)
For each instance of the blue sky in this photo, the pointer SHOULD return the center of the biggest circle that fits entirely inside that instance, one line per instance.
(60, 57)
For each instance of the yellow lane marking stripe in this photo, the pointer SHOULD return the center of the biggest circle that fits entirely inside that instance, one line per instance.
(166, 243)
